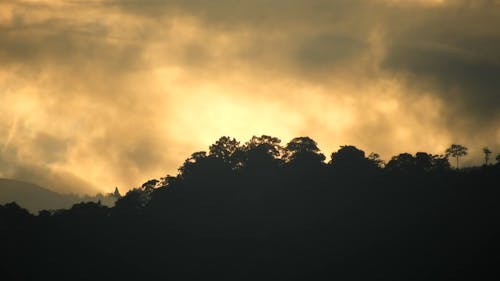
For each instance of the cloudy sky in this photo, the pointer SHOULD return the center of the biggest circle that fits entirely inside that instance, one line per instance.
(102, 93)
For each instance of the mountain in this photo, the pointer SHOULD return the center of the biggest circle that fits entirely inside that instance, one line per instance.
(33, 197)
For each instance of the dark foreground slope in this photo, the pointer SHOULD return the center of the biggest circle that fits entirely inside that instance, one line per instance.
(300, 220)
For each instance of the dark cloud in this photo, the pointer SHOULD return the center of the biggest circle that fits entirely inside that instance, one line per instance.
(329, 52)
(453, 51)
(248, 14)
(452, 47)
(472, 83)
(43, 38)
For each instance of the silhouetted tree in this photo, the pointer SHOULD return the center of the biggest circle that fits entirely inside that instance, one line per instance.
(375, 158)
(191, 163)
(265, 220)
(201, 168)
(457, 151)
(116, 194)
(226, 148)
(421, 162)
(487, 153)
(303, 150)
(88, 209)
(13, 211)
(268, 144)
(261, 151)
(348, 157)
(45, 213)
(135, 200)
(440, 163)
(404, 162)
(167, 181)
(150, 185)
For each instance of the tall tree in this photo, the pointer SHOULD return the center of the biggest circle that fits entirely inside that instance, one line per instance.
(192, 162)
(267, 144)
(440, 162)
(303, 149)
(261, 152)
(226, 148)
(404, 162)
(350, 158)
(487, 153)
(457, 151)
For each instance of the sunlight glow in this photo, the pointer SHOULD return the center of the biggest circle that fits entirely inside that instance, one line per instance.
(116, 100)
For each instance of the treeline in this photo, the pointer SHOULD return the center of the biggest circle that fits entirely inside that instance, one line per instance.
(262, 210)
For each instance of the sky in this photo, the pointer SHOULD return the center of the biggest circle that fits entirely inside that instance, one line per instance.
(102, 93)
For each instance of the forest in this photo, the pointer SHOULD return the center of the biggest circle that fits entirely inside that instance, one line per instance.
(261, 210)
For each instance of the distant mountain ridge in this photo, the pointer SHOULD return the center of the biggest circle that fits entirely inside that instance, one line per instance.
(35, 198)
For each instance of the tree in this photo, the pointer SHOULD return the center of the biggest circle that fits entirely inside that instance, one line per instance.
(350, 158)
(269, 145)
(13, 211)
(116, 194)
(404, 162)
(423, 161)
(487, 153)
(375, 158)
(167, 181)
(226, 148)
(191, 163)
(150, 185)
(303, 149)
(135, 200)
(88, 209)
(440, 163)
(261, 152)
(457, 151)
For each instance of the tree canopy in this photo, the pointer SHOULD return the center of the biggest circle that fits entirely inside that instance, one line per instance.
(259, 210)
(457, 151)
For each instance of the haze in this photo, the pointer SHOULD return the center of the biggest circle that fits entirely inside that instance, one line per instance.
(98, 94)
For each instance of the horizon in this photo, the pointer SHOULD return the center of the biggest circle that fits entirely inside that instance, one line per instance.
(464, 165)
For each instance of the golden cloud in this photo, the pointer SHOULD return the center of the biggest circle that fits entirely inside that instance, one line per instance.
(111, 93)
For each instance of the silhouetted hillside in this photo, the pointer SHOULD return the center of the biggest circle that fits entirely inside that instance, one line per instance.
(33, 197)
(263, 211)
(36, 198)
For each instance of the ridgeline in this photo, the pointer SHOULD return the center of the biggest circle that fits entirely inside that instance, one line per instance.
(262, 211)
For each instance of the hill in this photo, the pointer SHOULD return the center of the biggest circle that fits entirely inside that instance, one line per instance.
(266, 212)
(33, 197)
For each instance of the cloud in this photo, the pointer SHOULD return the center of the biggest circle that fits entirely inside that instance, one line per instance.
(15, 165)
(454, 50)
(112, 93)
